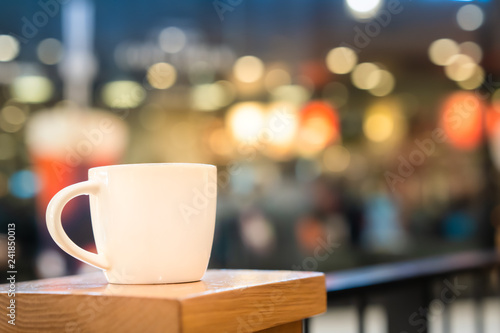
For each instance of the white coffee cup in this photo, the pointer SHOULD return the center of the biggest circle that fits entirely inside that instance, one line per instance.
(152, 223)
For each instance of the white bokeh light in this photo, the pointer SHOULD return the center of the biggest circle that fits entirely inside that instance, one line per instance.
(363, 6)
(470, 17)
(364, 9)
(172, 40)
(9, 48)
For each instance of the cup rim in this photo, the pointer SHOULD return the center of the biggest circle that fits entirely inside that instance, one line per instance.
(121, 166)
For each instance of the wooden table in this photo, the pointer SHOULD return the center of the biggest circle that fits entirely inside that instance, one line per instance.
(224, 301)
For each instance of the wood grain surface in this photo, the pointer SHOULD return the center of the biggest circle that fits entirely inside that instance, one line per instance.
(224, 301)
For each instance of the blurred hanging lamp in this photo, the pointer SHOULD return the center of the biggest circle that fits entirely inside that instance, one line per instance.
(68, 139)
(461, 119)
(319, 125)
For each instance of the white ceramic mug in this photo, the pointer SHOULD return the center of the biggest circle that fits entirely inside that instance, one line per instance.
(152, 223)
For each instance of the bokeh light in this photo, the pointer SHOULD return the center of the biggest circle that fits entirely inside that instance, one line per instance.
(123, 94)
(441, 50)
(341, 60)
(172, 40)
(364, 9)
(475, 81)
(213, 96)
(470, 17)
(258, 233)
(275, 78)
(32, 89)
(282, 122)
(293, 93)
(9, 48)
(248, 69)
(162, 75)
(460, 67)
(23, 184)
(245, 121)
(336, 158)
(461, 119)
(50, 263)
(472, 50)
(378, 126)
(385, 85)
(13, 115)
(366, 76)
(383, 122)
(229, 92)
(50, 51)
(319, 125)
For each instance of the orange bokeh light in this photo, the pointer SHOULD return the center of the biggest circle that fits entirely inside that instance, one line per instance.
(461, 119)
(492, 119)
(319, 126)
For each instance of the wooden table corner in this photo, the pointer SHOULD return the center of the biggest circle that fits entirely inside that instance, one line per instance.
(223, 301)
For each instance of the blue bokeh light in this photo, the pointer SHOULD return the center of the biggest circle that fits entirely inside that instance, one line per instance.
(23, 184)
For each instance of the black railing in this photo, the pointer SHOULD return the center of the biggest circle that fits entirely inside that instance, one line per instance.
(412, 292)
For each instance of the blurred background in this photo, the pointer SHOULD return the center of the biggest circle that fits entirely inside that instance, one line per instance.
(346, 133)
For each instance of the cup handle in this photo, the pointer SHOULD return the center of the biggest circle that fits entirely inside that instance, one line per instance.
(54, 224)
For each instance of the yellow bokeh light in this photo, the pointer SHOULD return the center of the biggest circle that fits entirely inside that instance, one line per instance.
(213, 96)
(13, 115)
(366, 76)
(207, 97)
(282, 122)
(245, 121)
(441, 50)
(123, 94)
(460, 67)
(383, 122)
(248, 69)
(275, 78)
(293, 93)
(32, 89)
(162, 75)
(229, 92)
(385, 84)
(336, 158)
(341, 60)
(474, 81)
(9, 48)
(313, 137)
(378, 127)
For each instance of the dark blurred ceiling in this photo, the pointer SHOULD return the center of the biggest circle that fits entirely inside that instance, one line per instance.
(293, 30)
